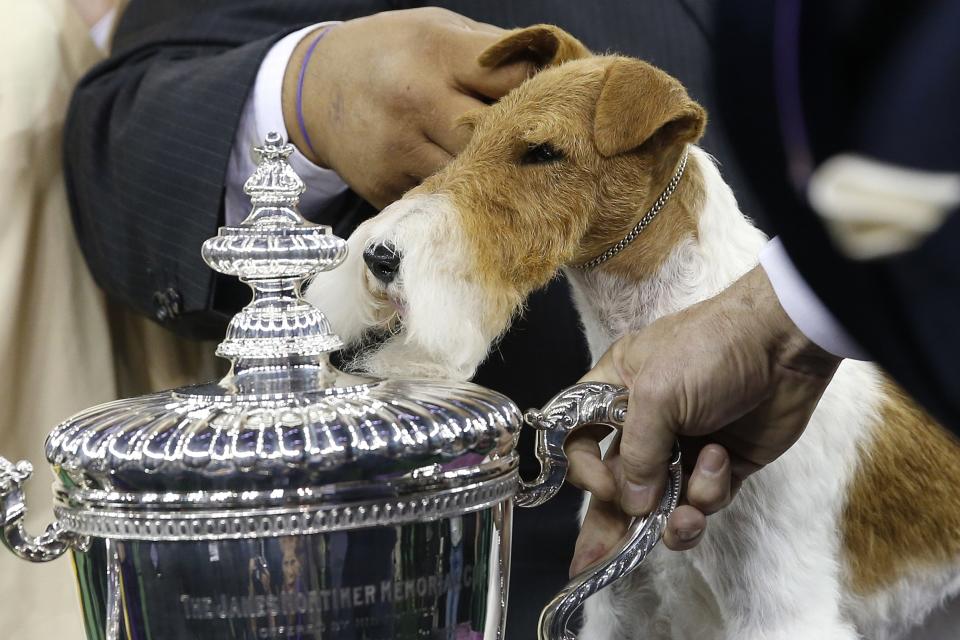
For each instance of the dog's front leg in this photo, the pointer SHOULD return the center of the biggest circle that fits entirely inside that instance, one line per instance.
(771, 558)
(628, 609)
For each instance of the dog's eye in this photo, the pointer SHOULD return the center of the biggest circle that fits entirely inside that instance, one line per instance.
(541, 153)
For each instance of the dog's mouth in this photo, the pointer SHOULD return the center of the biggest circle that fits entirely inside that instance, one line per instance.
(391, 306)
(394, 324)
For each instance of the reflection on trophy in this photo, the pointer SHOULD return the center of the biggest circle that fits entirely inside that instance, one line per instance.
(292, 500)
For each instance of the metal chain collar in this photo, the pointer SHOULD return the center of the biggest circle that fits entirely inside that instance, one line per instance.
(644, 221)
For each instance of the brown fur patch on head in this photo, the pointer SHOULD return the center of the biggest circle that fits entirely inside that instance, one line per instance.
(676, 222)
(523, 218)
(903, 506)
(541, 44)
(645, 112)
(535, 191)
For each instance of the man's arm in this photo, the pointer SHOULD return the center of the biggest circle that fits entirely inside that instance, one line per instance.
(263, 114)
(147, 143)
(151, 132)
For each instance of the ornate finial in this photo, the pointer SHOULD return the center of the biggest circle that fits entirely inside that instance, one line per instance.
(274, 188)
(275, 251)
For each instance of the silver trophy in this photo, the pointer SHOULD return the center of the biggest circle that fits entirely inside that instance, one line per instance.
(293, 500)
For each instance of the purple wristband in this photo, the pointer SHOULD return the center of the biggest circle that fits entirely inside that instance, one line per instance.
(303, 75)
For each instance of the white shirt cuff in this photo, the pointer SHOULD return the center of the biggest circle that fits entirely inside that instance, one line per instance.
(803, 306)
(262, 114)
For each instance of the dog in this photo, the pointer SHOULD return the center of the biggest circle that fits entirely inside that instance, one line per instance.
(853, 533)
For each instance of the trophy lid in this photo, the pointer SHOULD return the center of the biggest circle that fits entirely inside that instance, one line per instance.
(283, 419)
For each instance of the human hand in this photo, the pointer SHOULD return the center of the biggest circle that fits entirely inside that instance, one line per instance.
(731, 377)
(383, 96)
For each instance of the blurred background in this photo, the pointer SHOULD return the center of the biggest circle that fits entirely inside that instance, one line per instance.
(64, 346)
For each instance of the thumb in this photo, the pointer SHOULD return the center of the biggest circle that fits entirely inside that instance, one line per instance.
(646, 446)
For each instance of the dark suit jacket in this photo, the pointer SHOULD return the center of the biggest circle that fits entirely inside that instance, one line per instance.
(802, 81)
(150, 130)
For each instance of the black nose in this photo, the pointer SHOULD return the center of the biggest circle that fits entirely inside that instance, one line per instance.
(383, 260)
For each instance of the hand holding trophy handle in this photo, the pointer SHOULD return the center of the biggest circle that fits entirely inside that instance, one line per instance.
(50, 545)
(577, 406)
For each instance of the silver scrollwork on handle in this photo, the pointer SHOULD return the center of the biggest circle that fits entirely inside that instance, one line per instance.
(585, 404)
(50, 545)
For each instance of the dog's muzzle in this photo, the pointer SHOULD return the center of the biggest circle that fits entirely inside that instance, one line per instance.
(383, 261)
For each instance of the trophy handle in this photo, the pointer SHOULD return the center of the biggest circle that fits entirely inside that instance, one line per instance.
(52, 544)
(577, 406)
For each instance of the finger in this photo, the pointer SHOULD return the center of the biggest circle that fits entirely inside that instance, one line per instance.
(746, 456)
(587, 470)
(425, 160)
(444, 127)
(412, 161)
(486, 27)
(709, 488)
(459, 21)
(646, 446)
(495, 83)
(602, 529)
(485, 82)
(684, 528)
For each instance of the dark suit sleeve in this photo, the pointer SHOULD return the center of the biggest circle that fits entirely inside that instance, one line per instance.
(148, 136)
(801, 82)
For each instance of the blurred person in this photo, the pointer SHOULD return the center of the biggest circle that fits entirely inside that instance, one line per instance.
(62, 346)
(55, 328)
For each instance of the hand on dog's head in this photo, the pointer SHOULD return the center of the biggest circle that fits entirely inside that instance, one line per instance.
(555, 171)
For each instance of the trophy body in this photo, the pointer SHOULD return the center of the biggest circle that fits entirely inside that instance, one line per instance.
(440, 579)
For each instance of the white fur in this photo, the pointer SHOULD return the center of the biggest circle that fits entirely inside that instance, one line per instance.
(444, 331)
(770, 566)
(727, 248)
(892, 613)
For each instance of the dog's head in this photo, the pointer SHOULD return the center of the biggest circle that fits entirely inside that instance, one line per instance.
(555, 172)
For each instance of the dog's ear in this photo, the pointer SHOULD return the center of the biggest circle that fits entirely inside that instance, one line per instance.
(542, 44)
(639, 103)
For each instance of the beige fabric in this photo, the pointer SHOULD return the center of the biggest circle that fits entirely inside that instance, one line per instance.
(59, 352)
